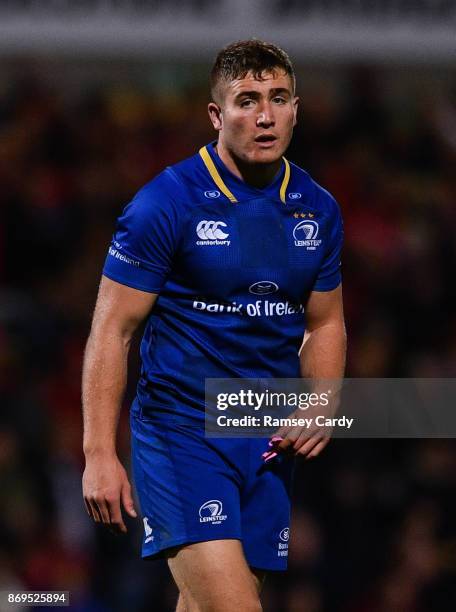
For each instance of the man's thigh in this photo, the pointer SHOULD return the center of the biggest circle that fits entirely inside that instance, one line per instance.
(214, 576)
(188, 491)
(192, 489)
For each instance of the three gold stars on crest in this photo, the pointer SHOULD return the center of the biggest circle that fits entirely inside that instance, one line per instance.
(303, 215)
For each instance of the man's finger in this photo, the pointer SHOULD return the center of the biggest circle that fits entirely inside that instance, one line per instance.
(310, 444)
(281, 433)
(127, 500)
(95, 512)
(318, 448)
(115, 517)
(100, 505)
(88, 508)
(285, 445)
(289, 438)
(305, 436)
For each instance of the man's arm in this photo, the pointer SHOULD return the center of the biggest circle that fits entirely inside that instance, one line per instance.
(322, 356)
(118, 312)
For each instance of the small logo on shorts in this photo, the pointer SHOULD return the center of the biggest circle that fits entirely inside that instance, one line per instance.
(285, 534)
(148, 530)
(282, 549)
(211, 512)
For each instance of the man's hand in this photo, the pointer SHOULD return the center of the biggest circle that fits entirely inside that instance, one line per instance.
(105, 486)
(302, 441)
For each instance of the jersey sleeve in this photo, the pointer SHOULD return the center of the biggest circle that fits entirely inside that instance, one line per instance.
(329, 276)
(145, 240)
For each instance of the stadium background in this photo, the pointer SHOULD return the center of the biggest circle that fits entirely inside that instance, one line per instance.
(85, 120)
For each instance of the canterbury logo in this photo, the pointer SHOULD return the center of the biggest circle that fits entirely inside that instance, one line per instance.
(209, 230)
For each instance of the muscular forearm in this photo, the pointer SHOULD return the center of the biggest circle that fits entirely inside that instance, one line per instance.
(103, 386)
(322, 355)
(118, 312)
(322, 359)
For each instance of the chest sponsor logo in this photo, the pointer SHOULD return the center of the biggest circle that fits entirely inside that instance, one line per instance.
(212, 194)
(263, 287)
(295, 195)
(284, 536)
(260, 308)
(305, 235)
(211, 512)
(210, 233)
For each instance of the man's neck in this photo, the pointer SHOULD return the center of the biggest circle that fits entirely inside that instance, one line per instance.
(257, 175)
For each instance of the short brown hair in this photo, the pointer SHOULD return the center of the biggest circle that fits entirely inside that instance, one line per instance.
(239, 58)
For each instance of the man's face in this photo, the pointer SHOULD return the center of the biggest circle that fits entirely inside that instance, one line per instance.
(255, 118)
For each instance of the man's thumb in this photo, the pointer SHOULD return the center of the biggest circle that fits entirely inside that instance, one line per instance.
(127, 501)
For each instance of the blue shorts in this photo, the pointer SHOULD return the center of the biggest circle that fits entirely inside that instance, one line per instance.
(194, 489)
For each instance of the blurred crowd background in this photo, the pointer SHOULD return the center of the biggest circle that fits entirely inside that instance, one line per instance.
(373, 527)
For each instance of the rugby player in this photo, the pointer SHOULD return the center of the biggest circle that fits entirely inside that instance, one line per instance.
(236, 224)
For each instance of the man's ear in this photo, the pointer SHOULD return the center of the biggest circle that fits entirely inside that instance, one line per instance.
(215, 114)
(295, 110)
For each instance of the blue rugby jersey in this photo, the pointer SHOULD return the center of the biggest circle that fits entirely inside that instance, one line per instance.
(233, 266)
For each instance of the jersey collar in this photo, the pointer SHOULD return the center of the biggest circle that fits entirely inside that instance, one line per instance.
(227, 182)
